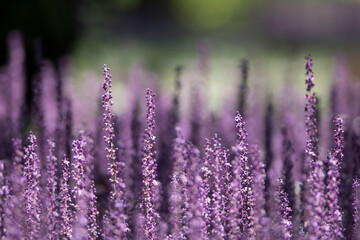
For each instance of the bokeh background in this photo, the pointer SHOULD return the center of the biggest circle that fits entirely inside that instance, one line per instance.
(66, 43)
(161, 34)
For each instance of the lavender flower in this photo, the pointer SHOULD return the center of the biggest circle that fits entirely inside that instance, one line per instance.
(51, 200)
(218, 219)
(310, 113)
(284, 211)
(179, 200)
(109, 128)
(213, 194)
(4, 198)
(334, 215)
(316, 202)
(356, 207)
(80, 191)
(227, 190)
(258, 213)
(32, 189)
(65, 199)
(115, 220)
(93, 213)
(194, 183)
(205, 191)
(149, 167)
(241, 201)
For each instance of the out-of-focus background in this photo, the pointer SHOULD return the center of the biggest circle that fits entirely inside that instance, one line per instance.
(161, 34)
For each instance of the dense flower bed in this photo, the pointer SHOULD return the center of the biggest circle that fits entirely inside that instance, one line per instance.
(177, 176)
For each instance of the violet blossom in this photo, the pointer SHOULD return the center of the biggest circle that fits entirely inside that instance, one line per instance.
(149, 167)
(32, 189)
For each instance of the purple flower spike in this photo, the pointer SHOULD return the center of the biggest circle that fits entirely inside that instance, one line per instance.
(65, 199)
(32, 189)
(227, 190)
(194, 182)
(334, 215)
(241, 201)
(115, 224)
(356, 207)
(218, 219)
(205, 191)
(179, 200)
(93, 226)
(51, 200)
(310, 114)
(258, 213)
(78, 172)
(309, 73)
(285, 212)
(115, 219)
(80, 191)
(149, 167)
(109, 126)
(338, 139)
(316, 200)
(4, 197)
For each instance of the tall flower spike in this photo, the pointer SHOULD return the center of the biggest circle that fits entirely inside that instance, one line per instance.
(258, 213)
(205, 191)
(356, 207)
(32, 189)
(334, 215)
(218, 219)
(109, 126)
(115, 219)
(4, 197)
(51, 200)
(80, 191)
(149, 167)
(242, 199)
(316, 199)
(309, 73)
(310, 113)
(93, 226)
(284, 211)
(227, 190)
(65, 199)
(179, 200)
(115, 224)
(195, 196)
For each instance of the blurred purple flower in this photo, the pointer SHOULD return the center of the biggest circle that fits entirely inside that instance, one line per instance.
(179, 198)
(4, 198)
(258, 214)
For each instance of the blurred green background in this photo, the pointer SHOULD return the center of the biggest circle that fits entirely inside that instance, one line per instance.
(160, 34)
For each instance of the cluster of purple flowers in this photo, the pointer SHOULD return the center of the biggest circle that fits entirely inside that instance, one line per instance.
(185, 177)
